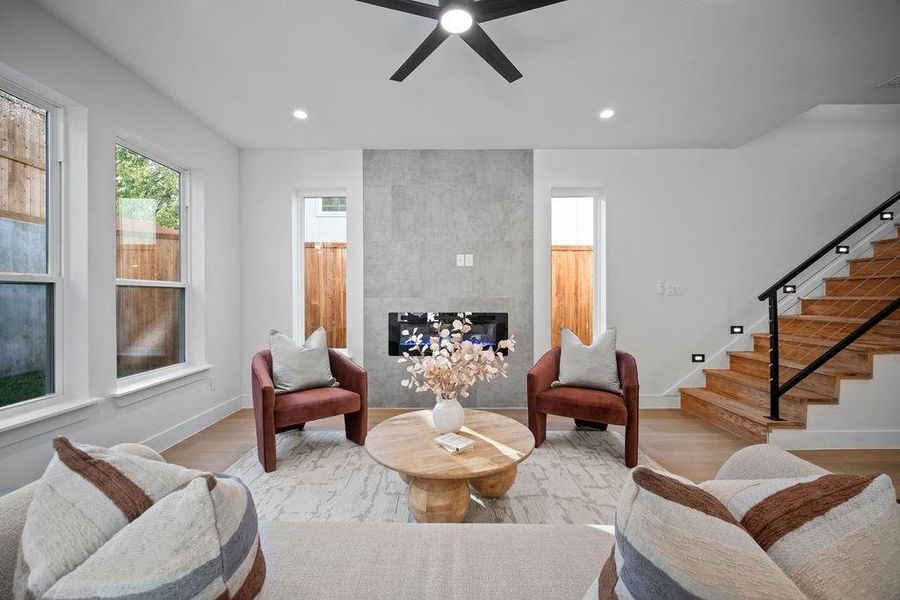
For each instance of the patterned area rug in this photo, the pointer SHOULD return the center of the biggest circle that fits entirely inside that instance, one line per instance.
(573, 478)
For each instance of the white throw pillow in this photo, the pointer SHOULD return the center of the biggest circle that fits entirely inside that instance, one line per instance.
(591, 366)
(297, 367)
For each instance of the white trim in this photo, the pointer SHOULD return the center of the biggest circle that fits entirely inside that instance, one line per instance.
(32, 423)
(150, 283)
(180, 432)
(142, 386)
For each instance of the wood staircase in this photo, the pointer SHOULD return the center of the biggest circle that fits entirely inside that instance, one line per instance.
(737, 398)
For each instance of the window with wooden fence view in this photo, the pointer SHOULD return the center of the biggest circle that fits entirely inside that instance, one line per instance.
(150, 280)
(325, 267)
(572, 268)
(27, 282)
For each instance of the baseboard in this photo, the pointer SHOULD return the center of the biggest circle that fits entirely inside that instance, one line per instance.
(177, 433)
(660, 401)
(798, 439)
(246, 400)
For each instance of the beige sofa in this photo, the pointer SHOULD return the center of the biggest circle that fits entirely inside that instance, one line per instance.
(408, 560)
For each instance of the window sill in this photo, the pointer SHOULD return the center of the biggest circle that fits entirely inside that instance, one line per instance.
(141, 388)
(40, 420)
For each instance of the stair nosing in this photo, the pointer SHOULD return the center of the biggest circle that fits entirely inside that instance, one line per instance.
(795, 364)
(796, 394)
(743, 410)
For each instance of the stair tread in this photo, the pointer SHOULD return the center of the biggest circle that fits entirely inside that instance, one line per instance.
(763, 384)
(737, 407)
(890, 344)
(873, 298)
(798, 364)
(833, 319)
(841, 278)
(871, 258)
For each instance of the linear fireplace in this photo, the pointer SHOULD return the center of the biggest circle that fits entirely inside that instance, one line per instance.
(487, 329)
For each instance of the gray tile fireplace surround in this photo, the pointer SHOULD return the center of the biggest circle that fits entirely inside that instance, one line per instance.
(422, 208)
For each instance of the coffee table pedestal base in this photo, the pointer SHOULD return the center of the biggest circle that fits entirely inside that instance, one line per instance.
(438, 500)
(494, 486)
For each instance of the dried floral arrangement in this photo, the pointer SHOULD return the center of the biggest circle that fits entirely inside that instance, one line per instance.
(455, 364)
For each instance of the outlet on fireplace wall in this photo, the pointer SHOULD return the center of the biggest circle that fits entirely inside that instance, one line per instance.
(465, 260)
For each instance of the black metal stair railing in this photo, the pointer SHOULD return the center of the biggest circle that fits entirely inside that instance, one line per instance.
(785, 285)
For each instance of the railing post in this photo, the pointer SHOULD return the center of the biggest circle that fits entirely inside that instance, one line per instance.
(773, 358)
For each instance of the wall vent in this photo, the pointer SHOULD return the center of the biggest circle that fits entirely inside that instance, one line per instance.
(891, 83)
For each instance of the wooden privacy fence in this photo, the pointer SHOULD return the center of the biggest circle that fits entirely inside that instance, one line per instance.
(325, 267)
(572, 292)
(23, 158)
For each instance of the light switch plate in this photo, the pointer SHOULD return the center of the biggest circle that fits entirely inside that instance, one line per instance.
(470, 260)
(460, 260)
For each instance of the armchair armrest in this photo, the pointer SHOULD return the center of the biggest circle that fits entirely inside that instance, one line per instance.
(350, 375)
(628, 379)
(544, 372)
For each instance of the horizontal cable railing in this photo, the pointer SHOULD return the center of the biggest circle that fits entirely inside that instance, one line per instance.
(875, 291)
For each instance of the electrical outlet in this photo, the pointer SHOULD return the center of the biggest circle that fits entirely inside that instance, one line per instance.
(470, 260)
(660, 287)
(460, 260)
(674, 288)
(212, 383)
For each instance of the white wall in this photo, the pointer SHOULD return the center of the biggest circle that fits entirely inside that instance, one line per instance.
(726, 223)
(270, 181)
(106, 100)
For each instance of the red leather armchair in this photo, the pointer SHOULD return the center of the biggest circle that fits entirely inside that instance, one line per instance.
(276, 413)
(586, 406)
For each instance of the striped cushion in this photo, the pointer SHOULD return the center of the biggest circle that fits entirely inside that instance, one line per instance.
(674, 540)
(197, 542)
(86, 495)
(836, 536)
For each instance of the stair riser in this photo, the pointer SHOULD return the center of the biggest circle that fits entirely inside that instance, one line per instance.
(753, 396)
(888, 266)
(887, 249)
(816, 382)
(835, 307)
(889, 286)
(753, 432)
(851, 359)
(815, 329)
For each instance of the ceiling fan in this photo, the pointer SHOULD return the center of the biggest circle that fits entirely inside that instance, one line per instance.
(462, 17)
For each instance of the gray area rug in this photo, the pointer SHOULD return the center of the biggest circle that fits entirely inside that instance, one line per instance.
(573, 478)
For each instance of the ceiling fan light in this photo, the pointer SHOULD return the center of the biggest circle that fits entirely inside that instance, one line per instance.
(456, 20)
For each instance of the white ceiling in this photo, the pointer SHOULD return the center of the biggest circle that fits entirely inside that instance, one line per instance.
(680, 73)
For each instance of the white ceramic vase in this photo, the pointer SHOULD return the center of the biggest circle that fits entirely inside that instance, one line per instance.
(448, 415)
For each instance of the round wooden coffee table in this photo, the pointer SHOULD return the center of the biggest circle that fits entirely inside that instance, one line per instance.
(438, 481)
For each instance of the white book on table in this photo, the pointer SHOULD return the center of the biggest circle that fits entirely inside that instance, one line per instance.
(454, 443)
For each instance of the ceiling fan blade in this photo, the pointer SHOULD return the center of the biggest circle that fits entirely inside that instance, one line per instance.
(488, 10)
(478, 39)
(408, 6)
(434, 39)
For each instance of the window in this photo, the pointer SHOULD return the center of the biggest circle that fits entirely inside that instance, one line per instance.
(325, 267)
(335, 206)
(29, 267)
(150, 258)
(572, 268)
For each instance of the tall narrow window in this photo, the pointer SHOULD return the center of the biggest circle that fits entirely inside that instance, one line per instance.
(325, 267)
(150, 278)
(29, 273)
(572, 268)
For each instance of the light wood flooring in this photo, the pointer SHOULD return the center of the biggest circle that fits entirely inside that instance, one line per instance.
(680, 442)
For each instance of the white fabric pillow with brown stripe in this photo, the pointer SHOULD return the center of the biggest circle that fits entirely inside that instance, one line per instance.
(86, 495)
(836, 536)
(674, 540)
(197, 542)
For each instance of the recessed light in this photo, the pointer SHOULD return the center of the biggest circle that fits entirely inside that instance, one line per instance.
(301, 114)
(698, 358)
(887, 216)
(790, 289)
(842, 250)
(456, 20)
(607, 113)
(737, 329)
